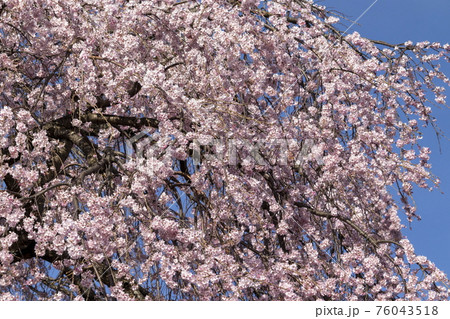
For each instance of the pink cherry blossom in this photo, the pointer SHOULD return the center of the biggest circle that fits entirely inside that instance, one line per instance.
(209, 150)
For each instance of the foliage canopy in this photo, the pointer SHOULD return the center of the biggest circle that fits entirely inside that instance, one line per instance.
(209, 150)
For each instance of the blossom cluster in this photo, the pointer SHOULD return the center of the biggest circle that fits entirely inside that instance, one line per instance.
(111, 186)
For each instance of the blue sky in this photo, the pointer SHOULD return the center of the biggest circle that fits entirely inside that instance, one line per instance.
(397, 21)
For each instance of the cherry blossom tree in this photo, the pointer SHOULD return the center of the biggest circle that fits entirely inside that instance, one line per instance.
(210, 150)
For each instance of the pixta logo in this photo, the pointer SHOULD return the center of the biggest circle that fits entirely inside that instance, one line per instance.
(145, 149)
